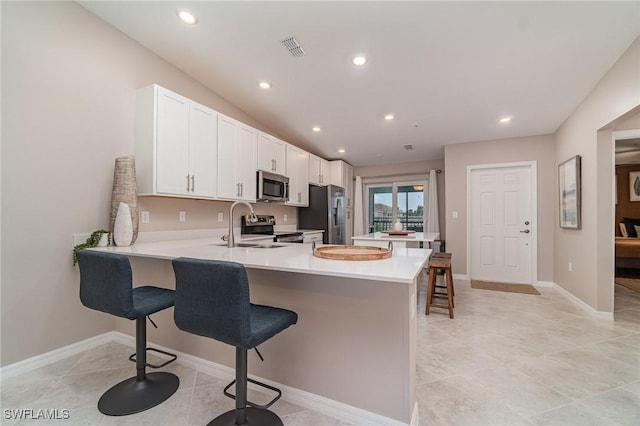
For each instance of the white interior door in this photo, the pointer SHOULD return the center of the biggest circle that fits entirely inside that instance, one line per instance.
(501, 224)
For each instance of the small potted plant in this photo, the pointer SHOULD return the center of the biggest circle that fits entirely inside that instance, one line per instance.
(97, 238)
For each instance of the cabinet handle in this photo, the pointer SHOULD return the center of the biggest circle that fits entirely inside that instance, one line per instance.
(237, 189)
(321, 178)
(193, 183)
(299, 196)
(188, 183)
(241, 189)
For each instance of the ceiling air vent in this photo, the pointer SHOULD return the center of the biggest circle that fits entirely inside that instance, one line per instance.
(292, 45)
(408, 147)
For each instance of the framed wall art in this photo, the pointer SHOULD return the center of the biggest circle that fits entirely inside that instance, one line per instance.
(634, 186)
(570, 193)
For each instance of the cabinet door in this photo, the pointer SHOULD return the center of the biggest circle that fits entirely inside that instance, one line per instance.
(265, 153)
(271, 154)
(203, 146)
(280, 156)
(325, 172)
(228, 186)
(246, 162)
(172, 143)
(314, 169)
(348, 186)
(298, 173)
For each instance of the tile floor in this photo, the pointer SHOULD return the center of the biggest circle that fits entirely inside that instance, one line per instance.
(506, 359)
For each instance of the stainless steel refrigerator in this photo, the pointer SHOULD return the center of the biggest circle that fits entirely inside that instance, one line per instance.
(326, 212)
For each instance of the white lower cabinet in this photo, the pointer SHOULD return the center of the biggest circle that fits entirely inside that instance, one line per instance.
(237, 145)
(176, 145)
(298, 174)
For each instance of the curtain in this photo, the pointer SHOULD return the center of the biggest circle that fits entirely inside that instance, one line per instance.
(358, 210)
(433, 222)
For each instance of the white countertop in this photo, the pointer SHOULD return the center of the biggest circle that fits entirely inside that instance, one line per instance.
(417, 236)
(402, 267)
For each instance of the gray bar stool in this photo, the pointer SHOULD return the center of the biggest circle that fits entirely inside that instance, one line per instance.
(212, 300)
(106, 285)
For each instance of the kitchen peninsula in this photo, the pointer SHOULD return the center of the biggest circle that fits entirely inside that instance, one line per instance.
(355, 341)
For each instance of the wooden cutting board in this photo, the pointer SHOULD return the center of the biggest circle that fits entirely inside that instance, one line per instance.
(398, 232)
(352, 252)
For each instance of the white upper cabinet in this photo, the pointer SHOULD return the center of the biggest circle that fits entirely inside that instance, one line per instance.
(342, 175)
(237, 147)
(271, 154)
(176, 145)
(298, 174)
(319, 171)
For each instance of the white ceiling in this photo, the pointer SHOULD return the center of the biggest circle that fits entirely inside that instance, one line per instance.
(448, 70)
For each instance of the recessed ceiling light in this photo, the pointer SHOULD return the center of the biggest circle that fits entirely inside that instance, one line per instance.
(315, 128)
(378, 155)
(341, 151)
(359, 60)
(389, 117)
(187, 17)
(505, 119)
(264, 85)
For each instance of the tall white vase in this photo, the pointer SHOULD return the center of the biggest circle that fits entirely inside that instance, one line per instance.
(123, 227)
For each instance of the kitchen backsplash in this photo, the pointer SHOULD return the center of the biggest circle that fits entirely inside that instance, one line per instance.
(164, 213)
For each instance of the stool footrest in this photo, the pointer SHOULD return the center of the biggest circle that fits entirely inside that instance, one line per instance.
(173, 357)
(253, 404)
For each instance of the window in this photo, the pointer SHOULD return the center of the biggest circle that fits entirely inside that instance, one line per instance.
(392, 201)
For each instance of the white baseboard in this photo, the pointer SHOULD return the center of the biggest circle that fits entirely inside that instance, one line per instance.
(460, 277)
(38, 361)
(415, 417)
(579, 303)
(296, 396)
(549, 284)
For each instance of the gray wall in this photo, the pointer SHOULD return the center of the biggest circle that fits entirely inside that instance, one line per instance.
(459, 156)
(68, 102)
(591, 248)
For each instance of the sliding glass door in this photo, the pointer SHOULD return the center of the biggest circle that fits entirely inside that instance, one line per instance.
(393, 201)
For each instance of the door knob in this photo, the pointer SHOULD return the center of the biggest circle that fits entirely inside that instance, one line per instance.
(526, 231)
(527, 222)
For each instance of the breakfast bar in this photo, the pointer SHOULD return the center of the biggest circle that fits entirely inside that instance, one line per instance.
(354, 346)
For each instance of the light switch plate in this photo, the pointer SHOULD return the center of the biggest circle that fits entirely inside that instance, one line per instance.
(144, 217)
(220, 217)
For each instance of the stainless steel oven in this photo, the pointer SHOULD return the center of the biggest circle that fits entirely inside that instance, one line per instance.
(263, 225)
(272, 187)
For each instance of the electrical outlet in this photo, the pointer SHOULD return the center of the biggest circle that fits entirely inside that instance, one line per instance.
(454, 215)
(220, 217)
(285, 217)
(182, 216)
(144, 217)
(570, 267)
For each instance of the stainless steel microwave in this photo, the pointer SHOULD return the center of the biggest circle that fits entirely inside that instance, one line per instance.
(272, 187)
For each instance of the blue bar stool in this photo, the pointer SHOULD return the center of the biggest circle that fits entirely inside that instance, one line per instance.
(212, 300)
(106, 286)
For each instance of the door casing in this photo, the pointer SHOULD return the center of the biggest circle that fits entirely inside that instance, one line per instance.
(533, 166)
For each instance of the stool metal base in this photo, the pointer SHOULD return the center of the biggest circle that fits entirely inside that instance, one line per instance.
(253, 416)
(133, 396)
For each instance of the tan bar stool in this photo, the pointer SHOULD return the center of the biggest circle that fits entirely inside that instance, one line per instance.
(440, 262)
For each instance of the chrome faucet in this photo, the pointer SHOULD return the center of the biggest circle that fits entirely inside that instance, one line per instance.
(252, 218)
